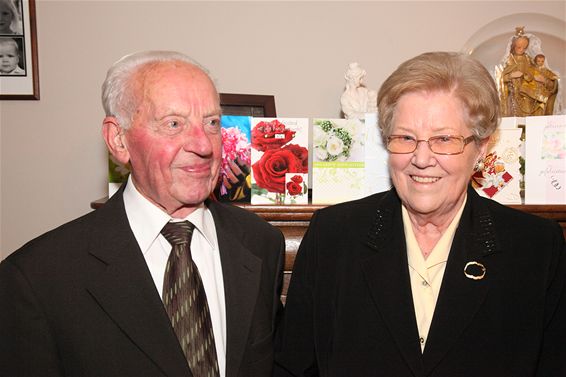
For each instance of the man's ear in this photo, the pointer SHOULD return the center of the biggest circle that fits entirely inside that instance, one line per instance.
(115, 141)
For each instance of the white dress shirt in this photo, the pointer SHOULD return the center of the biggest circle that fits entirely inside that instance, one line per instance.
(426, 274)
(147, 220)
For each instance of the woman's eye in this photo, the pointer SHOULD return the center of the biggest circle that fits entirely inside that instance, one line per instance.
(173, 124)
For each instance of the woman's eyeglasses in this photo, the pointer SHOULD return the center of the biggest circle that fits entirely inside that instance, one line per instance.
(441, 144)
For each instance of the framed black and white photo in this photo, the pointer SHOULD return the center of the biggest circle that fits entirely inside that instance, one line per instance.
(19, 78)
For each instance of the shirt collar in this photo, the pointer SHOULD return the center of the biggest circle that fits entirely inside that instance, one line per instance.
(440, 251)
(146, 219)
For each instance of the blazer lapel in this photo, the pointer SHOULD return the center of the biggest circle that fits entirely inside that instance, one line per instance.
(461, 296)
(241, 271)
(121, 284)
(384, 265)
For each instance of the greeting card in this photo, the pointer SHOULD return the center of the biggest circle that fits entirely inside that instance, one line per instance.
(296, 189)
(279, 152)
(500, 178)
(545, 160)
(234, 182)
(376, 158)
(338, 160)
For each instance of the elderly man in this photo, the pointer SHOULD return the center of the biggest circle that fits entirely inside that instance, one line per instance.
(159, 281)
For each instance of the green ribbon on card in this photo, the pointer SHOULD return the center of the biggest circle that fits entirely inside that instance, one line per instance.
(339, 164)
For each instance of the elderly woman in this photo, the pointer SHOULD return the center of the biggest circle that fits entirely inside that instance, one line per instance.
(428, 279)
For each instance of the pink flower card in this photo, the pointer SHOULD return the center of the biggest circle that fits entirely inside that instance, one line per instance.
(234, 182)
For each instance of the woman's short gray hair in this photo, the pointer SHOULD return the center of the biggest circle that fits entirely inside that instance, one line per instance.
(118, 94)
(456, 73)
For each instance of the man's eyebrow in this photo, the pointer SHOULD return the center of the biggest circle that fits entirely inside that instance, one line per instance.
(215, 112)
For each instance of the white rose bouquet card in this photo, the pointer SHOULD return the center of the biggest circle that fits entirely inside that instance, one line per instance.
(338, 160)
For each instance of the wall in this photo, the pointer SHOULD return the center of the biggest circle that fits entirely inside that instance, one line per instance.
(51, 152)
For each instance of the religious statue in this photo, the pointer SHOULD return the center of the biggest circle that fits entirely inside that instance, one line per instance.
(357, 100)
(527, 86)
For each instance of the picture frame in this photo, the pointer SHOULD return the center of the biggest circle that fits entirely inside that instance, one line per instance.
(255, 105)
(19, 77)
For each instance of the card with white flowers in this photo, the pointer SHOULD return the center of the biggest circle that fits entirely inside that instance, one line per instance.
(338, 160)
(279, 149)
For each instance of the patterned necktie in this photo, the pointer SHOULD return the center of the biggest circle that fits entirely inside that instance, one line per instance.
(185, 302)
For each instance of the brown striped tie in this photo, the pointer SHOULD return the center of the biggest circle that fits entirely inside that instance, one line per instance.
(185, 302)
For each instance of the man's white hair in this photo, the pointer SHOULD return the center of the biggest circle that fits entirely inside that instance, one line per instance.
(118, 97)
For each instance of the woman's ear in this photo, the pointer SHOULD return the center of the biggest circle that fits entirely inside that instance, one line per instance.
(483, 146)
(114, 137)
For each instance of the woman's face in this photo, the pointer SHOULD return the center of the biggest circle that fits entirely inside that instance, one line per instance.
(6, 18)
(428, 183)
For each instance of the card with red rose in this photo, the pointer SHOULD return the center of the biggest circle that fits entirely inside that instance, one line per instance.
(279, 148)
(296, 190)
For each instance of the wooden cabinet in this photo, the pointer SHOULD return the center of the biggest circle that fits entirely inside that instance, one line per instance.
(294, 220)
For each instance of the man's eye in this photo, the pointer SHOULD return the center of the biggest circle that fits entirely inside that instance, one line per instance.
(172, 127)
(214, 123)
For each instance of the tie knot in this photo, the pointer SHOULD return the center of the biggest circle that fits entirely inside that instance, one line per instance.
(178, 233)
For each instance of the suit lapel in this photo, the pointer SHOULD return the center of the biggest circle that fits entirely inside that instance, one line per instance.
(241, 271)
(460, 296)
(384, 265)
(121, 284)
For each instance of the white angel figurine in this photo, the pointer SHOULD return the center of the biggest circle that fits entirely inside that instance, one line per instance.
(357, 100)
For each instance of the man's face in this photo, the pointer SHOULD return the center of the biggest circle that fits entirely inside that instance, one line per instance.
(175, 140)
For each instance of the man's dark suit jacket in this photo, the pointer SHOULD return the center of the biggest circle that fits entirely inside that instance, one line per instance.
(349, 309)
(80, 300)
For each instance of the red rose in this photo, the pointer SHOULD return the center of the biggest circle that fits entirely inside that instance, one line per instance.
(269, 172)
(294, 188)
(270, 135)
(297, 179)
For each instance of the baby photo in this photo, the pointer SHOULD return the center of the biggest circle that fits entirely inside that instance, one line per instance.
(10, 57)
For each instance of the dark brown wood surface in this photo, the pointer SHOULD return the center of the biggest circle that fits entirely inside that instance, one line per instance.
(293, 221)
